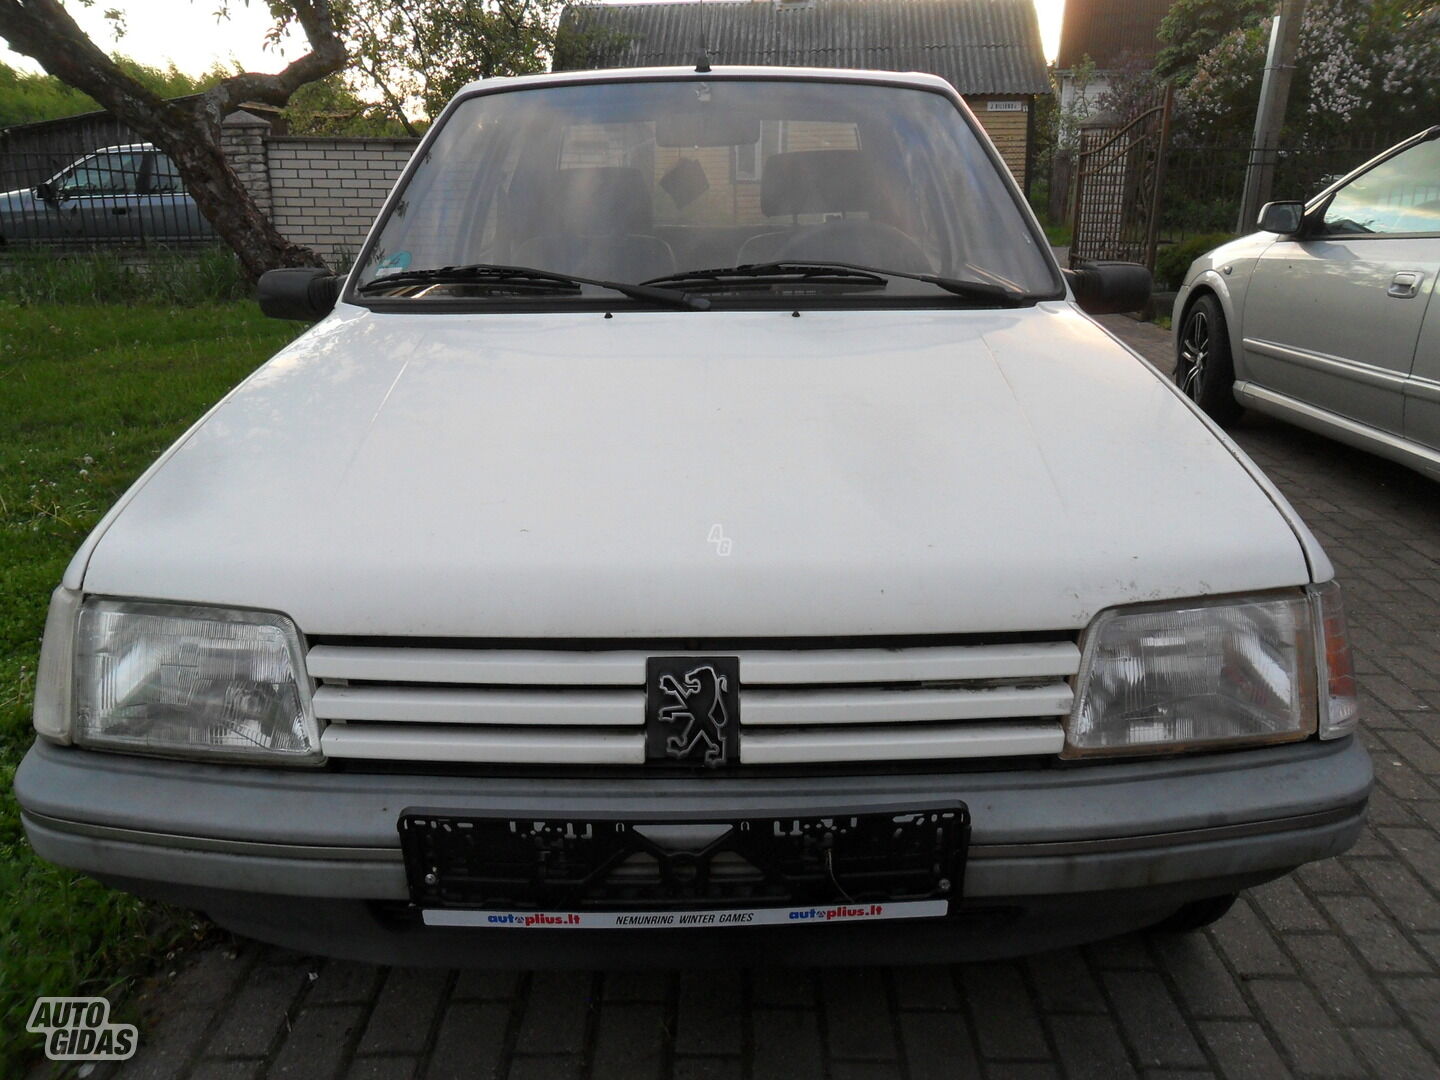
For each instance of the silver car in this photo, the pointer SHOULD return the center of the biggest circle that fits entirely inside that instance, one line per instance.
(118, 194)
(1326, 317)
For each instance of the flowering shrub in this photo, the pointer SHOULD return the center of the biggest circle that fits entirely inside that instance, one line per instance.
(1374, 63)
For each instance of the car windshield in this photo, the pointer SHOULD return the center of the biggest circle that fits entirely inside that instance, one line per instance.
(631, 181)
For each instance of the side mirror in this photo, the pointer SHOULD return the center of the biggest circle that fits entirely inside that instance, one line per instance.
(307, 293)
(45, 192)
(1284, 218)
(1109, 288)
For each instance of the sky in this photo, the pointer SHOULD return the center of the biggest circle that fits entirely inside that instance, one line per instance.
(187, 32)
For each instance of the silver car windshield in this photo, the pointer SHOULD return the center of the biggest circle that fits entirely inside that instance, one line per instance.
(631, 181)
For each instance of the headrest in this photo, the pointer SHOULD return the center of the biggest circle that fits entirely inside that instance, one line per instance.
(817, 182)
(601, 201)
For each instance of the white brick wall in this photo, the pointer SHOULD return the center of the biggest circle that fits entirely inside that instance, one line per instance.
(325, 192)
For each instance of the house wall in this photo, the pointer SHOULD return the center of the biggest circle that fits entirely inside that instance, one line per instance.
(1077, 101)
(1006, 119)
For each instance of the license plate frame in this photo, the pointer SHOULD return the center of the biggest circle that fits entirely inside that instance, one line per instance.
(493, 864)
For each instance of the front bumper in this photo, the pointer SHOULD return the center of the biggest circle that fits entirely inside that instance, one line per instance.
(1125, 841)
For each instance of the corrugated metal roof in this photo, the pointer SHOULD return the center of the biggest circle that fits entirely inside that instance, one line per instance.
(978, 46)
(1108, 31)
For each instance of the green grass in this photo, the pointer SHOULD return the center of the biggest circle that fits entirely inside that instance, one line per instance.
(191, 276)
(1058, 235)
(89, 395)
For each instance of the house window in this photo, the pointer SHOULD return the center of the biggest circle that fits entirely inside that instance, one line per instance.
(750, 157)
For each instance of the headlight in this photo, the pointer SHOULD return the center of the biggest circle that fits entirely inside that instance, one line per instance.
(1207, 674)
(195, 681)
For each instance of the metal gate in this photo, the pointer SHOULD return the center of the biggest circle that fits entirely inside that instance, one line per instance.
(1119, 172)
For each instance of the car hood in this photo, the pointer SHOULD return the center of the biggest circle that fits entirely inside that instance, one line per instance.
(683, 474)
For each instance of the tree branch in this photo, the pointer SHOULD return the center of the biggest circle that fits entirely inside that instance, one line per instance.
(396, 105)
(326, 57)
(44, 30)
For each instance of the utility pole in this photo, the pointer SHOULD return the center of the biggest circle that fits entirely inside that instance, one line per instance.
(1270, 115)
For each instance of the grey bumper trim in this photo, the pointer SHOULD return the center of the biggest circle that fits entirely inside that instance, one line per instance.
(1152, 841)
(1147, 841)
(209, 843)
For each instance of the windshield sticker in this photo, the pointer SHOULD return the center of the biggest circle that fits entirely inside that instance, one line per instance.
(394, 263)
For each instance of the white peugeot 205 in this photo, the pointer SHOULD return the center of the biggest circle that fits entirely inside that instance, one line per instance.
(703, 519)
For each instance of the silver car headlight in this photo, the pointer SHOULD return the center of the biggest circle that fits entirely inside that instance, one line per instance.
(194, 681)
(1210, 673)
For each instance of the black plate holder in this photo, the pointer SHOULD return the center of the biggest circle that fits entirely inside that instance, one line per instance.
(457, 859)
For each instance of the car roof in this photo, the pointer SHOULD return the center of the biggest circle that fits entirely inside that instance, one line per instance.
(917, 79)
(124, 146)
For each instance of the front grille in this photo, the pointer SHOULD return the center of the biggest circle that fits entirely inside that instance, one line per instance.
(578, 706)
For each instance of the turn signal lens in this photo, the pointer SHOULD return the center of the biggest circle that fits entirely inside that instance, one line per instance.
(55, 674)
(1340, 707)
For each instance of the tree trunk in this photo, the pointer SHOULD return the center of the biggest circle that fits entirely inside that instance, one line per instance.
(227, 204)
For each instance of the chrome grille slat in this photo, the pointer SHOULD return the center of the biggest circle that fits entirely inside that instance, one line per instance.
(578, 706)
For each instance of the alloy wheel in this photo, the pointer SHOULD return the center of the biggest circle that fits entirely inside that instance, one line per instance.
(1194, 352)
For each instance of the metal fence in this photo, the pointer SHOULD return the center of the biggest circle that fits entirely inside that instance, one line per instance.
(1203, 184)
(127, 194)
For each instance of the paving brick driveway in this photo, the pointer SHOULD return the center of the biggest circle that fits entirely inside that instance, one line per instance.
(1334, 971)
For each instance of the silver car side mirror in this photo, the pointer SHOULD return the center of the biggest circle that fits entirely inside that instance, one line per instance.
(1284, 218)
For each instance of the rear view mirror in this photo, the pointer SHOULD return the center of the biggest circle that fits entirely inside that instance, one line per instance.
(45, 191)
(1109, 288)
(307, 293)
(1284, 218)
(706, 128)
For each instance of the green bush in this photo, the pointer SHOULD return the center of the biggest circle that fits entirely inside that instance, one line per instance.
(1173, 260)
(205, 275)
(1192, 214)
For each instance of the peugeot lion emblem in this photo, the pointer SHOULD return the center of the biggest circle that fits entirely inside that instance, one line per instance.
(692, 710)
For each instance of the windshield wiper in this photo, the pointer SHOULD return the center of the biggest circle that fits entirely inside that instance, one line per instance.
(491, 274)
(783, 273)
(842, 271)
